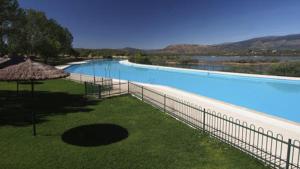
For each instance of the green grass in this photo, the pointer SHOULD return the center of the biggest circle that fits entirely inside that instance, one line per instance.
(155, 139)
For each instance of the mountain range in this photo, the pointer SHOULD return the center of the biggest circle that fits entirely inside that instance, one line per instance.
(273, 43)
(268, 45)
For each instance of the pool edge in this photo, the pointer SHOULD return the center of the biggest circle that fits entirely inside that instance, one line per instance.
(128, 63)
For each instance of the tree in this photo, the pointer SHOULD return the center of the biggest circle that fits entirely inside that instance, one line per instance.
(74, 53)
(35, 30)
(66, 41)
(17, 42)
(31, 32)
(140, 58)
(46, 37)
(11, 19)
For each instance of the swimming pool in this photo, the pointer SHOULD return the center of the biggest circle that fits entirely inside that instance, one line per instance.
(276, 97)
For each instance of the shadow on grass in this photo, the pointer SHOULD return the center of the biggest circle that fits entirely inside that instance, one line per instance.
(16, 109)
(94, 135)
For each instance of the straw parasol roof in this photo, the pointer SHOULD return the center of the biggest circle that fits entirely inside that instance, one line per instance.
(30, 71)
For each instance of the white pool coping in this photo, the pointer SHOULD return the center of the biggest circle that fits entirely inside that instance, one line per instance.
(126, 62)
(71, 63)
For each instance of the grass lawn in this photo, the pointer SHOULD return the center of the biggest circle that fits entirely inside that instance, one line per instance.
(155, 140)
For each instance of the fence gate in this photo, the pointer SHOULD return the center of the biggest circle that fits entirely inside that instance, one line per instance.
(92, 89)
(105, 88)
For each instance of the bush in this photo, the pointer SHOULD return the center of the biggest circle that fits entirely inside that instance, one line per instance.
(285, 69)
(140, 58)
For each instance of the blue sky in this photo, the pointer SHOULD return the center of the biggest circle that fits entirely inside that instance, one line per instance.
(151, 24)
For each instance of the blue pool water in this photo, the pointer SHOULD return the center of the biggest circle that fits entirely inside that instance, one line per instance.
(272, 96)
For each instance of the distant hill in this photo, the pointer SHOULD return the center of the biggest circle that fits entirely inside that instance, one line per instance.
(288, 42)
(108, 51)
(269, 45)
(187, 49)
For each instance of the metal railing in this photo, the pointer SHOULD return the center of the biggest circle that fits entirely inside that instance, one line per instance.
(105, 88)
(87, 78)
(270, 148)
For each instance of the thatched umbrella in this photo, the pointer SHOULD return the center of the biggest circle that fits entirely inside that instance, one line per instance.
(30, 71)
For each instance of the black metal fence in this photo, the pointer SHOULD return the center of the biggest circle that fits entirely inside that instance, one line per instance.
(270, 148)
(105, 88)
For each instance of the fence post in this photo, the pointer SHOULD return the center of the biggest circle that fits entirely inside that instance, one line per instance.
(109, 89)
(288, 154)
(85, 88)
(142, 93)
(128, 87)
(119, 86)
(99, 91)
(17, 87)
(164, 103)
(203, 127)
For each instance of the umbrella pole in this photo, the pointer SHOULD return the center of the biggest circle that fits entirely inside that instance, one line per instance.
(32, 88)
(33, 124)
(33, 113)
(17, 87)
